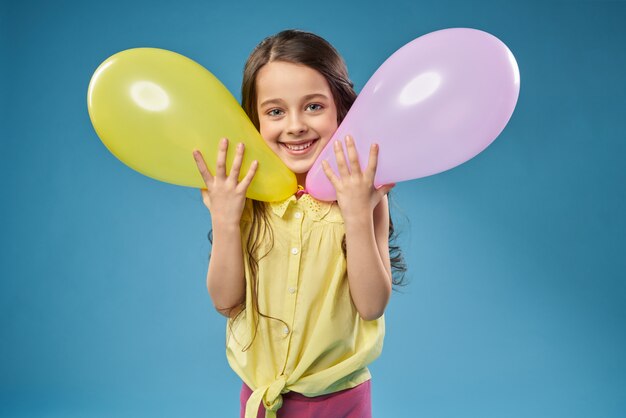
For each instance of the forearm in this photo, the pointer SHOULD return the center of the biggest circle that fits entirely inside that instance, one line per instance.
(225, 278)
(365, 212)
(368, 277)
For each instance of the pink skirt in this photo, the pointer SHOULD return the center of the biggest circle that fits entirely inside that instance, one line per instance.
(349, 403)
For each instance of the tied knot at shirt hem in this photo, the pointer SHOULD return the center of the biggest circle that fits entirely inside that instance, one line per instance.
(270, 395)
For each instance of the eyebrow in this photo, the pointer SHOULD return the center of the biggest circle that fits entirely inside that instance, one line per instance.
(305, 98)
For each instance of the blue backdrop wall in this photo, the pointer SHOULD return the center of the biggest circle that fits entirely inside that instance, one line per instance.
(517, 301)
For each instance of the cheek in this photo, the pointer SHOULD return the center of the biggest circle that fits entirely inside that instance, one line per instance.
(330, 124)
(266, 133)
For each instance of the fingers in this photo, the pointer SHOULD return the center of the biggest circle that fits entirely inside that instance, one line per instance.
(354, 167)
(220, 176)
(220, 166)
(236, 167)
(204, 171)
(330, 174)
(372, 164)
(341, 159)
(225, 196)
(245, 182)
(353, 156)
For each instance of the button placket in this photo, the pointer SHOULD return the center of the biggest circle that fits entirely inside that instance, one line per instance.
(295, 255)
(293, 274)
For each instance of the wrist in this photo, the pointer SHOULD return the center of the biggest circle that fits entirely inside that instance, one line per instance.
(225, 226)
(359, 219)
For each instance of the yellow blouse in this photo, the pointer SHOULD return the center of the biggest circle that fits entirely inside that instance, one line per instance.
(321, 345)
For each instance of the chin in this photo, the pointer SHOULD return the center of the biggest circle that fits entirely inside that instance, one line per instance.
(301, 170)
(302, 166)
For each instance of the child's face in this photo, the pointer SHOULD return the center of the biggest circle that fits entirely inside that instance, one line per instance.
(297, 113)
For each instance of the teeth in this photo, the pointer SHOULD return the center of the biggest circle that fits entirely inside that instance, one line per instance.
(299, 147)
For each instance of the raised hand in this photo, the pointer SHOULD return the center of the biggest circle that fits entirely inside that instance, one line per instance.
(355, 189)
(225, 195)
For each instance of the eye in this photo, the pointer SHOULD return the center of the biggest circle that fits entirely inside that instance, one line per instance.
(314, 107)
(274, 112)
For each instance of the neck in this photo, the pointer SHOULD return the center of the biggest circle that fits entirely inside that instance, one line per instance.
(301, 178)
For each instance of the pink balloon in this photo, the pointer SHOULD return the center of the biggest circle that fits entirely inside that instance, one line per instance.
(435, 103)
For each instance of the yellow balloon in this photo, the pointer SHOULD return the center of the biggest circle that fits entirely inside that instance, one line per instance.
(152, 107)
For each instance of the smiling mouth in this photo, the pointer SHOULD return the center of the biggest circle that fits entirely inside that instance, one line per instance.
(299, 147)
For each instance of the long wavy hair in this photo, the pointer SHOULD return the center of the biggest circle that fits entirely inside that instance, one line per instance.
(304, 48)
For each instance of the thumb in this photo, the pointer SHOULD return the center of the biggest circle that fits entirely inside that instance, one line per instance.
(206, 199)
(385, 188)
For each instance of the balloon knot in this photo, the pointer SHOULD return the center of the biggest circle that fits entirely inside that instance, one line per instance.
(301, 191)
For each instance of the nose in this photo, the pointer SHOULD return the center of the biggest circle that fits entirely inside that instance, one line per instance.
(297, 125)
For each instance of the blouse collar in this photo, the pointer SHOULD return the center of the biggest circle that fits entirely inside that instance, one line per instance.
(317, 209)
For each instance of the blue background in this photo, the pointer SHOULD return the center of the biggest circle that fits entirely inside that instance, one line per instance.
(517, 301)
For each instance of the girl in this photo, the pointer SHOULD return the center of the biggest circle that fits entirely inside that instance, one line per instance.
(304, 283)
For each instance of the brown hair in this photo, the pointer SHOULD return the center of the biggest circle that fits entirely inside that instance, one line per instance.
(304, 48)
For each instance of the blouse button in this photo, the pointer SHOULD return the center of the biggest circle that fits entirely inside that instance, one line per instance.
(294, 251)
(292, 290)
(298, 215)
(286, 330)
